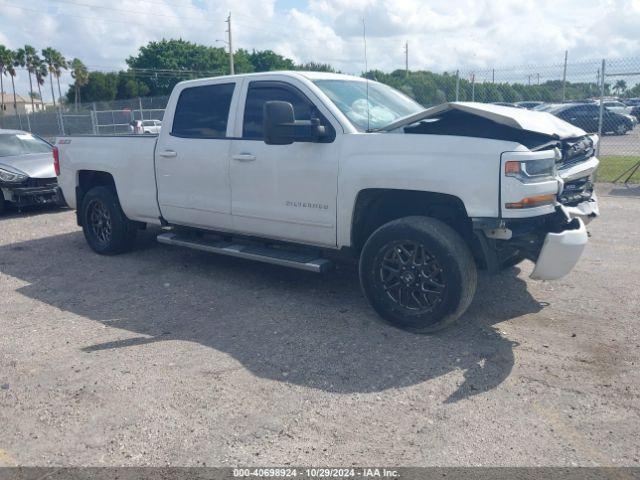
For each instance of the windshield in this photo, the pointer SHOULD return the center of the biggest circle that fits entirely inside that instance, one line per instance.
(386, 105)
(21, 144)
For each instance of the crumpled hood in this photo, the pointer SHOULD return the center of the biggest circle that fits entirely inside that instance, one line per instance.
(520, 118)
(36, 165)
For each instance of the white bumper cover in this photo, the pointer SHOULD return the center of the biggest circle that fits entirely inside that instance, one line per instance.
(560, 252)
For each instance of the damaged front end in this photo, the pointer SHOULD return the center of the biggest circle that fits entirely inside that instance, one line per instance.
(546, 194)
(552, 232)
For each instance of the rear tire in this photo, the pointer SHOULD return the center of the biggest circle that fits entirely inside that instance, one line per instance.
(106, 228)
(418, 274)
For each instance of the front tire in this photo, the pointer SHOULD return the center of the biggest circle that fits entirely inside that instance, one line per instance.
(106, 228)
(418, 274)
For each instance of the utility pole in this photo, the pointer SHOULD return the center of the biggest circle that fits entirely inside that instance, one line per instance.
(406, 59)
(538, 78)
(457, 84)
(493, 75)
(564, 75)
(231, 67)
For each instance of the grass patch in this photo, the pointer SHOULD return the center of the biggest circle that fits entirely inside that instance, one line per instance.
(612, 167)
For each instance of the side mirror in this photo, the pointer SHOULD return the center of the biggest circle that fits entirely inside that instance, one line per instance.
(281, 128)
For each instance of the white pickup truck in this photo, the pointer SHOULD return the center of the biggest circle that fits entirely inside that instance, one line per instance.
(302, 169)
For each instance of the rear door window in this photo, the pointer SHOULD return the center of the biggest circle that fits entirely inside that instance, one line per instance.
(203, 112)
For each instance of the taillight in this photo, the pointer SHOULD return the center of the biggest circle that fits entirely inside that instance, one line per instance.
(56, 161)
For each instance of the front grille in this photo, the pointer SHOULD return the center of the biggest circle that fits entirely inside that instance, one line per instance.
(576, 191)
(41, 182)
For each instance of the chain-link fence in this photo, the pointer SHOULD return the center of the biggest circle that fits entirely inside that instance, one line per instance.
(96, 118)
(598, 96)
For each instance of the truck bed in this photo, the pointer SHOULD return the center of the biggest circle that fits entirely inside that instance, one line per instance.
(128, 158)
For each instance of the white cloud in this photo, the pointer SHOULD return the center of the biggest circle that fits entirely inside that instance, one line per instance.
(442, 34)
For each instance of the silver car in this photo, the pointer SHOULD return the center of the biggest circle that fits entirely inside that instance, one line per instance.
(27, 175)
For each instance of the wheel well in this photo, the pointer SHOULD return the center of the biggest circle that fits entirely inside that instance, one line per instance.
(375, 207)
(87, 179)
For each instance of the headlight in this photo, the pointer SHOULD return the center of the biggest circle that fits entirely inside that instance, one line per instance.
(12, 177)
(531, 171)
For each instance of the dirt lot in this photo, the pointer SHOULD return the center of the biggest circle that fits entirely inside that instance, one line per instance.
(169, 356)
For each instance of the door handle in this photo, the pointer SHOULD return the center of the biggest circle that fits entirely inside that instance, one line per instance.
(244, 157)
(168, 153)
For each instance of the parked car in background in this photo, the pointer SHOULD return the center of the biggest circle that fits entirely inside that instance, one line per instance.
(635, 111)
(545, 107)
(151, 126)
(617, 107)
(27, 176)
(587, 115)
(529, 105)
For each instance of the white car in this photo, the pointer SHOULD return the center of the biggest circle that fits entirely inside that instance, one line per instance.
(152, 127)
(617, 107)
(301, 169)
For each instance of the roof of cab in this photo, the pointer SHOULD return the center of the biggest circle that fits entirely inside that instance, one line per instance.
(284, 73)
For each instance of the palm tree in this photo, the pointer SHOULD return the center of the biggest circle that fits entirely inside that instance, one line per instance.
(60, 63)
(6, 60)
(55, 63)
(25, 58)
(41, 73)
(48, 55)
(11, 70)
(80, 74)
(620, 87)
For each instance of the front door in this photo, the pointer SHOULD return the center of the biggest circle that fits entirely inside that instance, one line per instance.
(192, 158)
(283, 191)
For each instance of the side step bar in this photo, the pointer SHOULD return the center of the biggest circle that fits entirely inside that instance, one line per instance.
(303, 261)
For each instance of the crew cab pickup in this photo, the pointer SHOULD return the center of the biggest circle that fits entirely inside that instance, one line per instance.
(303, 169)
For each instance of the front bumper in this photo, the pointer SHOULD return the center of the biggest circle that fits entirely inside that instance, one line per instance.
(28, 196)
(561, 251)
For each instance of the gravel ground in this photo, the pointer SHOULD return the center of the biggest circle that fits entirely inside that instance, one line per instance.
(166, 356)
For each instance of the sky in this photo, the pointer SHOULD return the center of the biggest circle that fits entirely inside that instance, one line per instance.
(443, 35)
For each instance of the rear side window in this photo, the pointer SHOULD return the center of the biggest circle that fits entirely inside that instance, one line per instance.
(259, 94)
(203, 112)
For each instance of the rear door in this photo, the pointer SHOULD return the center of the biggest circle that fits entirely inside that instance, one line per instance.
(192, 156)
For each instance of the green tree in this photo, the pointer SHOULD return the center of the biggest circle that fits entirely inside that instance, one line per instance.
(55, 62)
(316, 67)
(6, 61)
(620, 87)
(80, 75)
(27, 58)
(40, 73)
(268, 60)
(160, 65)
(130, 87)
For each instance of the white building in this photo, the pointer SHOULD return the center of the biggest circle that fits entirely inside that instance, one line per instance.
(23, 105)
